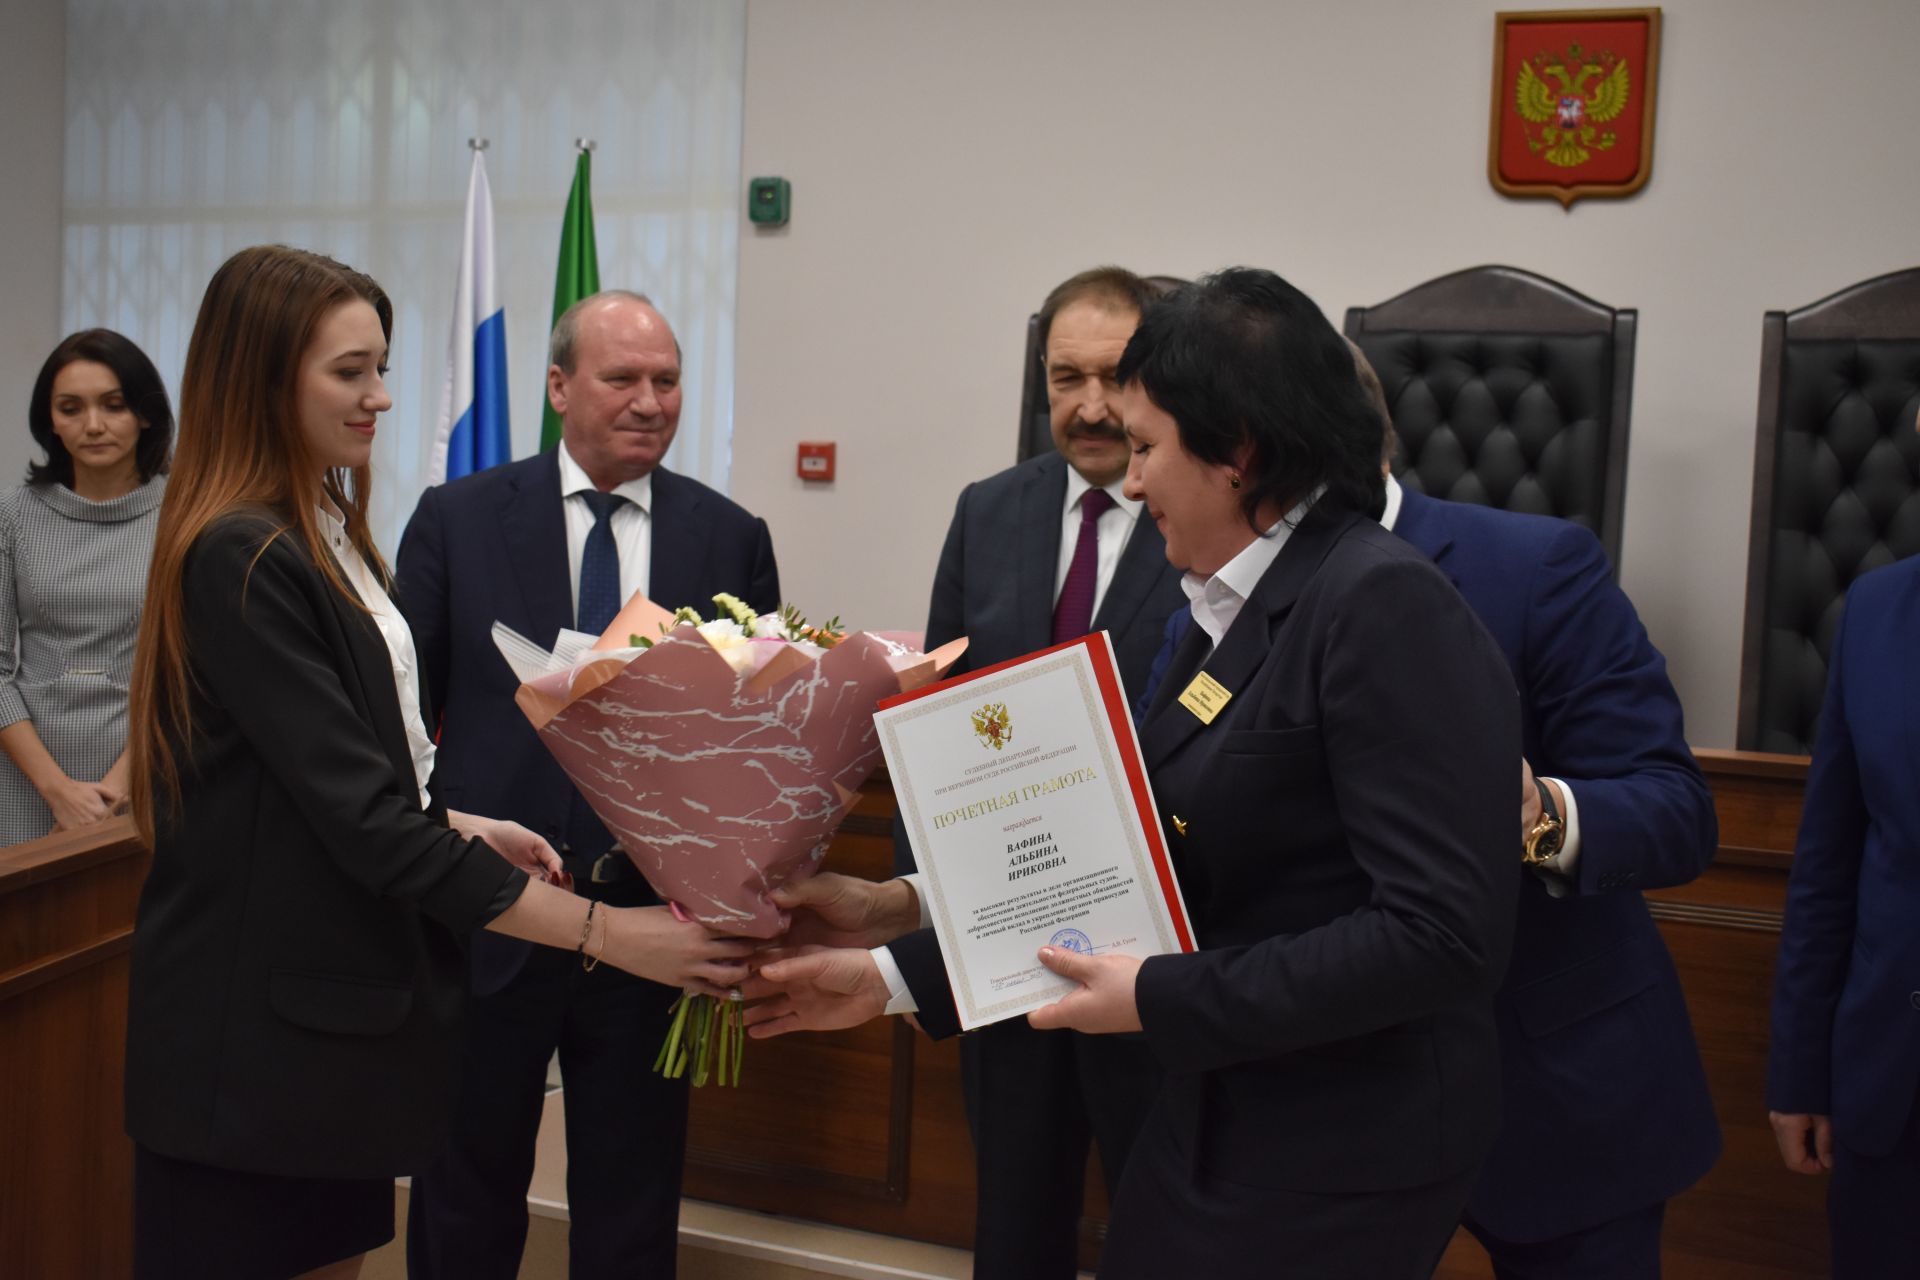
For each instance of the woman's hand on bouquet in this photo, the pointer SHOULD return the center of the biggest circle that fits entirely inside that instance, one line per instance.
(813, 989)
(510, 840)
(832, 910)
(1104, 1003)
(649, 942)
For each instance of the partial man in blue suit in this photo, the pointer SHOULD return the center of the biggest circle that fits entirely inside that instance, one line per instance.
(562, 539)
(1843, 1075)
(1605, 1113)
(1043, 552)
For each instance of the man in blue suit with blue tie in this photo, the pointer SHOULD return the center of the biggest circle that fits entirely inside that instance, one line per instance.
(1605, 1110)
(1843, 1077)
(563, 539)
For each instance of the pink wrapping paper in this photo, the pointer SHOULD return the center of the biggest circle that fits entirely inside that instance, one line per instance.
(723, 785)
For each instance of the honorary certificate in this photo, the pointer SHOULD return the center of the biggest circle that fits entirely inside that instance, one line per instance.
(1024, 795)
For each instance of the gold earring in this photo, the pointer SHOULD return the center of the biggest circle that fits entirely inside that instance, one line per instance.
(1234, 479)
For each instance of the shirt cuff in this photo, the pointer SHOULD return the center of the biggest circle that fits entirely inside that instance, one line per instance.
(916, 879)
(1558, 874)
(899, 999)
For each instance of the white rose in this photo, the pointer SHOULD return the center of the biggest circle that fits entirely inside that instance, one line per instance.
(723, 633)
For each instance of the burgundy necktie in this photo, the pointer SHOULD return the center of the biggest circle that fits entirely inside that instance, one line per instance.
(1073, 615)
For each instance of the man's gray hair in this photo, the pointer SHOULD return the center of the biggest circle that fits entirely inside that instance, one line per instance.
(566, 330)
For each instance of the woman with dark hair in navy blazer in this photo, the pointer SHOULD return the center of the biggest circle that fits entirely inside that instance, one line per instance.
(1843, 1071)
(1342, 826)
(298, 969)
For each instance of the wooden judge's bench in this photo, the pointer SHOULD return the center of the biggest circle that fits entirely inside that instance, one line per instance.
(865, 1128)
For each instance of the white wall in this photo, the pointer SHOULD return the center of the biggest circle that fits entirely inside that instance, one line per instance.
(32, 142)
(951, 162)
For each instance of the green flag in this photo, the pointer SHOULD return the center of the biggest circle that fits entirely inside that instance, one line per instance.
(578, 275)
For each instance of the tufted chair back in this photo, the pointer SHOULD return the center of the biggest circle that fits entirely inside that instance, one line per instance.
(1509, 390)
(1836, 490)
(1036, 430)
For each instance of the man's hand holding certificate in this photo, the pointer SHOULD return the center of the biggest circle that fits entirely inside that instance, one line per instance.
(1027, 804)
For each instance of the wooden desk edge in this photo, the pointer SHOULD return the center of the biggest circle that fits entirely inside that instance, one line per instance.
(65, 852)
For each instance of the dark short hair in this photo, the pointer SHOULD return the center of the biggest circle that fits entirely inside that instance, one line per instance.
(1114, 287)
(139, 383)
(1242, 360)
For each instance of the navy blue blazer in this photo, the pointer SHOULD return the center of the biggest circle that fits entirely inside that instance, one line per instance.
(1605, 1104)
(1346, 848)
(492, 547)
(1846, 1000)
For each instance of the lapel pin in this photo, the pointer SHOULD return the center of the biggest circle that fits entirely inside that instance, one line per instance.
(1178, 825)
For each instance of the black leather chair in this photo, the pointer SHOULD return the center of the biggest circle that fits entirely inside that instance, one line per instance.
(1036, 431)
(1510, 390)
(1836, 490)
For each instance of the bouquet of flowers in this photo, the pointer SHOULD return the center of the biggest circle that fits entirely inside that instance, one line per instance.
(722, 754)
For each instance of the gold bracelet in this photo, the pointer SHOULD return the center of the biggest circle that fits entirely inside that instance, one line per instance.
(590, 963)
(586, 931)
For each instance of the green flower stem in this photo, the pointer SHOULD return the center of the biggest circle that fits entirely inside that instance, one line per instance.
(707, 1035)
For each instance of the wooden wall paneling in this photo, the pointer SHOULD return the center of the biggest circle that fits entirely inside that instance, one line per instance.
(864, 1129)
(66, 1167)
(1724, 932)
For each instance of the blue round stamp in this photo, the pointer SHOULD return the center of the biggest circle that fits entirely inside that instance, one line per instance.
(1072, 940)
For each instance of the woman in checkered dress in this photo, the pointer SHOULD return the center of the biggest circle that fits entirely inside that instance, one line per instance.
(74, 544)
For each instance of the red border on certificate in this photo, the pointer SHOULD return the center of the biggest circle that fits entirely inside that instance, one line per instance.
(1120, 716)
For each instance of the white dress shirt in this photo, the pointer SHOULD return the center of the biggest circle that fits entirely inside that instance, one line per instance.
(1563, 862)
(1216, 601)
(1115, 527)
(399, 640)
(632, 530)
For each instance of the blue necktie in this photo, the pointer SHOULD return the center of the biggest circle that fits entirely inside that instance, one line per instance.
(1176, 631)
(599, 566)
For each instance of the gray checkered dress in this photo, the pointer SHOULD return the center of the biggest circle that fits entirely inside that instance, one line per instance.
(72, 577)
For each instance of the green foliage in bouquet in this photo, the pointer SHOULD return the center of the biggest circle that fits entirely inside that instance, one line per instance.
(792, 625)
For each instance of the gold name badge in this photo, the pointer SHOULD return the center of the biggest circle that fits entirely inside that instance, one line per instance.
(1204, 697)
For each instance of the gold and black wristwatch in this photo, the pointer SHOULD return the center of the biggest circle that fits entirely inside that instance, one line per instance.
(1548, 834)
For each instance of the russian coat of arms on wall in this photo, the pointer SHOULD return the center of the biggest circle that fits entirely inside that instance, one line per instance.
(1573, 94)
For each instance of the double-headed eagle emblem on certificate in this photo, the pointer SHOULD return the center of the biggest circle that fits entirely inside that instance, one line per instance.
(993, 726)
(1565, 117)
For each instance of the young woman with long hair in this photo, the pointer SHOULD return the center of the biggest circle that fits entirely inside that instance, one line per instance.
(298, 969)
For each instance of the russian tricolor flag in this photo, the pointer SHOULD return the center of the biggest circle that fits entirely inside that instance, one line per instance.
(472, 431)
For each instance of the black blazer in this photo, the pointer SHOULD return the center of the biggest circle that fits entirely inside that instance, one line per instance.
(1349, 859)
(297, 971)
(995, 582)
(492, 547)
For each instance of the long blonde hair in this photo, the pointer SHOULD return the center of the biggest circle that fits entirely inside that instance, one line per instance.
(240, 444)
